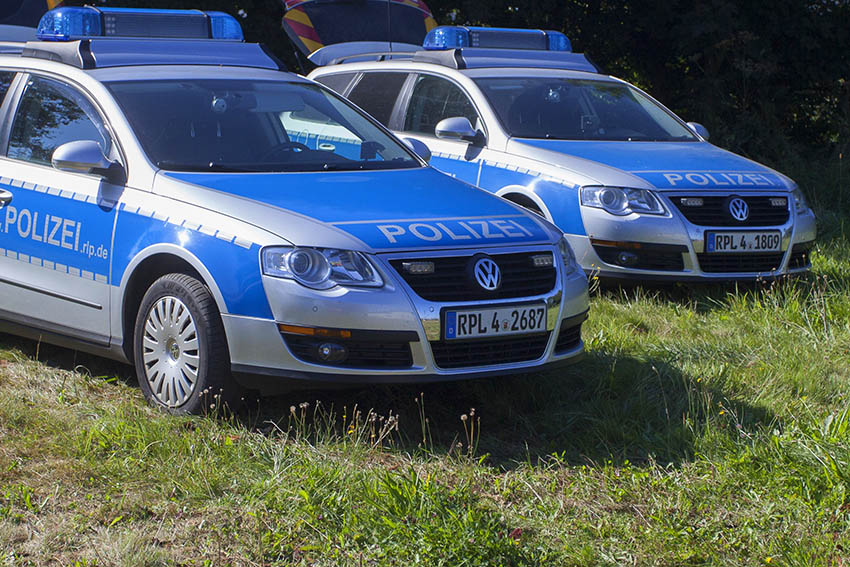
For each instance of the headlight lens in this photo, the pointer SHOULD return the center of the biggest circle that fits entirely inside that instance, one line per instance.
(622, 201)
(567, 256)
(800, 204)
(320, 268)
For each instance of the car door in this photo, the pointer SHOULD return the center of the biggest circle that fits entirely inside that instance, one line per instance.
(430, 100)
(56, 228)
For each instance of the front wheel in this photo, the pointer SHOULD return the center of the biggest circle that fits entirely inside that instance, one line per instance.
(180, 351)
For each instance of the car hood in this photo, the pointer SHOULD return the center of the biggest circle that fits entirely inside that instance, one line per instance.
(668, 165)
(383, 210)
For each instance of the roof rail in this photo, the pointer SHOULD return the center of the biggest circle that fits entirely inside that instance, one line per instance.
(100, 53)
(377, 56)
(480, 57)
(11, 47)
(362, 51)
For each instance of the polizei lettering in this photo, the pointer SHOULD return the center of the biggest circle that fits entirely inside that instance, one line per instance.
(41, 227)
(456, 231)
(719, 179)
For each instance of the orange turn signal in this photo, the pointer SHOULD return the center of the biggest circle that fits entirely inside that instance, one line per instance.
(634, 245)
(315, 331)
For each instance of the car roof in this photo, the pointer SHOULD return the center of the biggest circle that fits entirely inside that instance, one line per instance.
(154, 72)
(120, 52)
(408, 65)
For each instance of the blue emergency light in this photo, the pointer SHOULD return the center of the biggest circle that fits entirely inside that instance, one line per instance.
(71, 23)
(453, 37)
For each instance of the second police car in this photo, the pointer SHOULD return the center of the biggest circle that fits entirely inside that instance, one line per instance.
(158, 206)
(639, 193)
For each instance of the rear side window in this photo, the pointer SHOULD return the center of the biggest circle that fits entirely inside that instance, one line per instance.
(376, 93)
(5, 80)
(336, 83)
(434, 99)
(50, 114)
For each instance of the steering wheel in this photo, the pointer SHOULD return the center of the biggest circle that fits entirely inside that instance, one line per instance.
(283, 147)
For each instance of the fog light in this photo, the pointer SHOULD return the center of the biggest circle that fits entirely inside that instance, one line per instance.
(691, 201)
(418, 267)
(332, 352)
(542, 261)
(627, 259)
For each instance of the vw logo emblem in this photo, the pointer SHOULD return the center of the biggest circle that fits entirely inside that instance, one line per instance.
(487, 274)
(739, 209)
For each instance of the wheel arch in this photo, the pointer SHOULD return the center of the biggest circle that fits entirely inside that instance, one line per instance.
(526, 198)
(149, 265)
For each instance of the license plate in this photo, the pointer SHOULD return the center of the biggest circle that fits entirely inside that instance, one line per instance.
(495, 321)
(752, 241)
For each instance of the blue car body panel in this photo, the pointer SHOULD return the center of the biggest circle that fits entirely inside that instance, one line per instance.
(672, 165)
(236, 267)
(397, 209)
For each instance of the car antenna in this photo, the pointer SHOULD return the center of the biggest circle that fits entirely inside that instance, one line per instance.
(296, 52)
(389, 25)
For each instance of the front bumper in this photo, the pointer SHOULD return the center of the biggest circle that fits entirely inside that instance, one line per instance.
(671, 248)
(397, 335)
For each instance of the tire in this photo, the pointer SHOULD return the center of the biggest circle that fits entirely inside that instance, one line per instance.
(180, 350)
(527, 204)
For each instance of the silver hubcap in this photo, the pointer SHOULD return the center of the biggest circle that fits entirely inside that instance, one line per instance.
(170, 351)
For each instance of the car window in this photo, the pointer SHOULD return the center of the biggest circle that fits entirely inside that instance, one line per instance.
(5, 80)
(50, 114)
(336, 83)
(434, 99)
(579, 109)
(253, 125)
(376, 93)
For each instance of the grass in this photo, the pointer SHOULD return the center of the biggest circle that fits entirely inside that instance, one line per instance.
(707, 426)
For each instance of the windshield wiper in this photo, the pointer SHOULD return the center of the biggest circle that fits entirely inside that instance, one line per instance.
(211, 166)
(370, 165)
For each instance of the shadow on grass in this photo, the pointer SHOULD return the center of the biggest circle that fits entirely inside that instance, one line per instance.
(68, 359)
(706, 298)
(608, 407)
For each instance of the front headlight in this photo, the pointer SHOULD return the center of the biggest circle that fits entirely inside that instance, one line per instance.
(320, 268)
(800, 204)
(567, 256)
(622, 201)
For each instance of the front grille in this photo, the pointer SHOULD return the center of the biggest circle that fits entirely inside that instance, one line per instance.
(715, 211)
(361, 354)
(663, 257)
(459, 354)
(801, 255)
(568, 338)
(451, 280)
(761, 262)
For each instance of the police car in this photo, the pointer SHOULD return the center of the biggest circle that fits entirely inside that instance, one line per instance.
(639, 193)
(181, 203)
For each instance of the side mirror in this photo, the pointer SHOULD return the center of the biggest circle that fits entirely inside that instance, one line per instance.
(699, 129)
(85, 156)
(419, 148)
(456, 128)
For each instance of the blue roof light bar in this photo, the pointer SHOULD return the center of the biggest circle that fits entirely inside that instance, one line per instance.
(454, 37)
(62, 24)
(71, 23)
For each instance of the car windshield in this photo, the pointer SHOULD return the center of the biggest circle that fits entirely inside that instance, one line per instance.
(579, 109)
(234, 125)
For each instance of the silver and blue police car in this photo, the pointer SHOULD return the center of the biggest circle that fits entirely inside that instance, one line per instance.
(182, 204)
(639, 193)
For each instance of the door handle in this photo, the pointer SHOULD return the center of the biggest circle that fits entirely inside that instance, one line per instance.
(5, 198)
